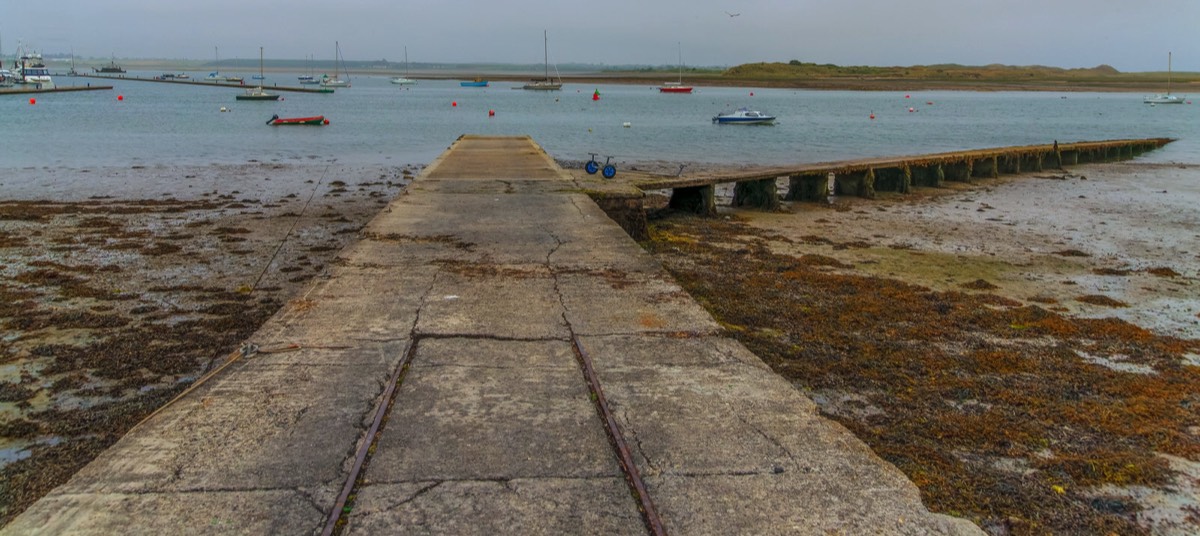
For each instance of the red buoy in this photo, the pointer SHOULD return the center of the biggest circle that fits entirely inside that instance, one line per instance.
(32, 101)
(120, 97)
(906, 96)
(751, 93)
(491, 113)
(872, 115)
(326, 122)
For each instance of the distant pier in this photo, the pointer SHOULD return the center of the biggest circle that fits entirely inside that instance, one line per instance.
(207, 83)
(25, 90)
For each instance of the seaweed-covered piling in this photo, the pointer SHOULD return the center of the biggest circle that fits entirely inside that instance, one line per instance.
(897, 179)
(701, 200)
(931, 176)
(808, 187)
(959, 171)
(762, 194)
(858, 183)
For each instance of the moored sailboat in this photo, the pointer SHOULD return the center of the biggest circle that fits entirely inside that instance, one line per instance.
(676, 87)
(404, 80)
(545, 84)
(257, 93)
(1165, 98)
(335, 80)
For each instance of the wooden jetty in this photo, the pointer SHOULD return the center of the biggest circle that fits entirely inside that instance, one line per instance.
(208, 83)
(759, 187)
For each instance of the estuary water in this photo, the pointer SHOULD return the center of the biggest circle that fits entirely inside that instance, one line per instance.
(375, 121)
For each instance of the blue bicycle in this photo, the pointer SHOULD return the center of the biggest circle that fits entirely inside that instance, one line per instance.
(592, 166)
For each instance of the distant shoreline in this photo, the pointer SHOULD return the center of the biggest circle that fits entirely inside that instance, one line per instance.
(1149, 83)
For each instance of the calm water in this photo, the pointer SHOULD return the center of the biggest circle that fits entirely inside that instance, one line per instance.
(377, 122)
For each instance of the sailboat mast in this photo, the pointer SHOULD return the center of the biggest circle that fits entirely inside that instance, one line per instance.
(546, 53)
(680, 45)
(1168, 73)
(260, 68)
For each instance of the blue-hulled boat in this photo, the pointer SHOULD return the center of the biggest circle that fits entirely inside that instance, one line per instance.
(478, 82)
(743, 116)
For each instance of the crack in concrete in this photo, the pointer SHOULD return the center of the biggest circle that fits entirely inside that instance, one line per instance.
(417, 494)
(769, 438)
(638, 441)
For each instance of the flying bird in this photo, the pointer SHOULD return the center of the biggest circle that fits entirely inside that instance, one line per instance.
(731, 15)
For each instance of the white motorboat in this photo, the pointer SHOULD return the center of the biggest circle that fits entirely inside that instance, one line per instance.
(31, 70)
(743, 116)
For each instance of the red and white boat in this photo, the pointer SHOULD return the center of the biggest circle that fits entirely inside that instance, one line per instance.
(676, 87)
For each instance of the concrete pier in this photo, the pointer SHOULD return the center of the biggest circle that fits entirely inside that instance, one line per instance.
(494, 356)
(866, 177)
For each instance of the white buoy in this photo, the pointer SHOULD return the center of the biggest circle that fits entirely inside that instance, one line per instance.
(224, 109)
(626, 124)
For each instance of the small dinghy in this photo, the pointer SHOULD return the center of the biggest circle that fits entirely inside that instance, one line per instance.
(317, 120)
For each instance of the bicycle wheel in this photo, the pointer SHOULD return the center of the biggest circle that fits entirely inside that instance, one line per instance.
(592, 167)
(610, 171)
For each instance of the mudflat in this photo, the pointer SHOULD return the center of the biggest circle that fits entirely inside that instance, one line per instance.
(122, 286)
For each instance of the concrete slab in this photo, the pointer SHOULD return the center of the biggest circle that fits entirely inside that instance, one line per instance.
(726, 446)
(618, 302)
(482, 409)
(514, 302)
(519, 506)
(354, 304)
(213, 512)
(261, 426)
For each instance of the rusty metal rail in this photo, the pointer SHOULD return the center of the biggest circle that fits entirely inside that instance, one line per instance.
(632, 476)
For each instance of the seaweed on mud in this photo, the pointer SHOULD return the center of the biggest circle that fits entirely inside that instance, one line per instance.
(12, 240)
(979, 284)
(1162, 271)
(965, 382)
(15, 392)
(1097, 299)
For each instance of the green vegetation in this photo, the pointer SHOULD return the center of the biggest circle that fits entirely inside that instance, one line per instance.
(798, 73)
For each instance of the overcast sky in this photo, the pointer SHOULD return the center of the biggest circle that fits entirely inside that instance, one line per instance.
(1129, 35)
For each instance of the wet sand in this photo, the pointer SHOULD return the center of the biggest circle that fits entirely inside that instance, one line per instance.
(1125, 231)
(1026, 350)
(121, 286)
